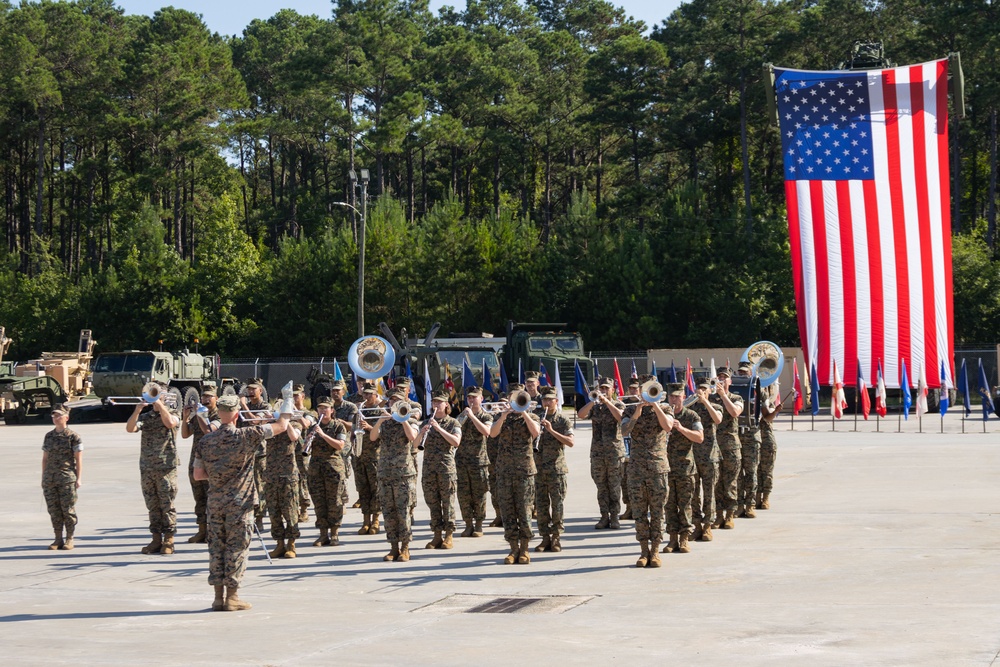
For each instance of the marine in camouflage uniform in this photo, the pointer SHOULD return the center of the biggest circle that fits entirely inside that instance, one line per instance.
(62, 457)
(346, 413)
(750, 453)
(226, 458)
(397, 477)
(403, 385)
(687, 432)
(706, 459)
(255, 401)
(515, 468)
(550, 462)
(727, 435)
(768, 452)
(194, 425)
(492, 452)
(366, 468)
(648, 424)
(282, 486)
(607, 452)
(440, 478)
(309, 417)
(328, 474)
(158, 471)
(472, 462)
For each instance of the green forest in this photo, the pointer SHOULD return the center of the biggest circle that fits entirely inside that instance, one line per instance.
(547, 161)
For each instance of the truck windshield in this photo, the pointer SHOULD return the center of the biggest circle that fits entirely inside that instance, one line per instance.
(562, 343)
(454, 359)
(124, 363)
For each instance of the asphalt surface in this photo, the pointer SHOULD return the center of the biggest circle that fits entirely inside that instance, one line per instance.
(881, 548)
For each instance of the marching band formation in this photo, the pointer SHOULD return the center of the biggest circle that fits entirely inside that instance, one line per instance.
(684, 466)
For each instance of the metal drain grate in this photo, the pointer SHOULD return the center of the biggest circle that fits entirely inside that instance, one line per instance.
(503, 606)
(507, 604)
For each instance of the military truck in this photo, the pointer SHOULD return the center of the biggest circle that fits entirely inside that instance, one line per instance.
(444, 357)
(186, 373)
(534, 344)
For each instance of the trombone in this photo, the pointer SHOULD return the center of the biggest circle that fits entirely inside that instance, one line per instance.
(402, 411)
(520, 401)
(651, 391)
(151, 392)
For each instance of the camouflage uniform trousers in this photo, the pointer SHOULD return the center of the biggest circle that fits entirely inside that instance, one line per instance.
(729, 473)
(366, 478)
(608, 475)
(747, 489)
(283, 507)
(159, 490)
(303, 464)
(229, 533)
(345, 498)
(550, 495)
(199, 489)
(60, 499)
(625, 487)
(259, 477)
(765, 471)
(473, 483)
(494, 495)
(647, 496)
(439, 494)
(678, 507)
(517, 498)
(703, 499)
(326, 486)
(395, 496)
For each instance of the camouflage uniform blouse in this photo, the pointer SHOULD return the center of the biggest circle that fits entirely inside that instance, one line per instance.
(607, 432)
(227, 456)
(197, 435)
(321, 449)
(348, 412)
(727, 432)
(439, 456)
(551, 454)
(281, 453)
(680, 450)
(158, 446)
(648, 455)
(472, 450)
(60, 466)
(395, 457)
(706, 451)
(515, 446)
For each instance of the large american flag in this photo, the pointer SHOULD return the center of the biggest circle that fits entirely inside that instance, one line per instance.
(866, 178)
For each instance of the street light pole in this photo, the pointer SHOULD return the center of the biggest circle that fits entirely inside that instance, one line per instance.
(362, 178)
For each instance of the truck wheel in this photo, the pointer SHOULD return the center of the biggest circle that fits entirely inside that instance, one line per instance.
(229, 390)
(191, 395)
(178, 398)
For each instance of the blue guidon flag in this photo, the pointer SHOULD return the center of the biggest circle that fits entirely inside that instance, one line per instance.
(867, 188)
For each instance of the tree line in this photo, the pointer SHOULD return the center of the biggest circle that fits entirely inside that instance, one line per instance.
(551, 160)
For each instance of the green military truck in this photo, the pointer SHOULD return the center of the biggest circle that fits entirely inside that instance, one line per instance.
(534, 344)
(118, 376)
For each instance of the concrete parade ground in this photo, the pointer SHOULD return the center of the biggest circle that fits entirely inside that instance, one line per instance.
(880, 549)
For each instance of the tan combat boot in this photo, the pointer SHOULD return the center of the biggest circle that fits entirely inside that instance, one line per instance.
(706, 533)
(323, 539)
(523, 555)
(750, 513)
(682, 544)
(654, 554)
(199, 537)
(68, 543)
(290, 549)
(168, 545)
(58, 542)
(366, 524)
(764, 502)
(644, 557)
(720, 518)
(614, 523)
(303, 514)
(393, 553)
(604, 522)
(698, 530)
(404, 551)
(374, 529)
(279, 550)
(468, 529)
(334, 538)
(436, 542)
(672, 545)
(219, 602)
(546, 544)
(478, 530)
(729, 523)
(447, 542)
(153, 547)
(556, 544)
(234, 603)
(512, 556)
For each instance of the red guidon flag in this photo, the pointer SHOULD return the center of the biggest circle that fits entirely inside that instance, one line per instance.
(881, 404)
(837, 401)
(796, 387)
(866, 182)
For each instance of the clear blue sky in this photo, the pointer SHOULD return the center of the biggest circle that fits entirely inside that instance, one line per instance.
(229, 17)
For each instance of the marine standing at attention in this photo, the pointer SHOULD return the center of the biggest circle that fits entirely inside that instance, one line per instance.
(62, 475)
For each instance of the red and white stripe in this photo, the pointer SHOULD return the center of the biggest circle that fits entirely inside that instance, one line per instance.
(871, 260)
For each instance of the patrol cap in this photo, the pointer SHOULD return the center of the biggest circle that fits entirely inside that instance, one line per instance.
(338, 384)
(209, 391)
(255, 382)
(675, 389)
(403, 381)
(474, 391)
(228, 404)
(397, 392)
(532, 375)
(441, 396)
(368, 388)
(606, 382)
(325, 400)
(634, 382)
(298, 389)
(704, 383)
(547, 392)
(724, 370)
(744, 365)
(514, 386)
(60, 410)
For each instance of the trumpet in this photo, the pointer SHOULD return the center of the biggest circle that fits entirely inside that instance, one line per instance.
(403, 411)
(595, 394)
(151, 392)
(520, 401)
(495, 407)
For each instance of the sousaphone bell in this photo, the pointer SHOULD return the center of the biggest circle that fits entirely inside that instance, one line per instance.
(371, 357)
